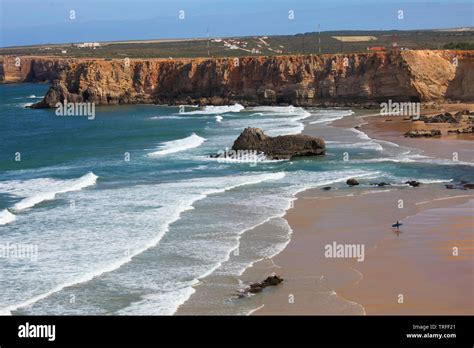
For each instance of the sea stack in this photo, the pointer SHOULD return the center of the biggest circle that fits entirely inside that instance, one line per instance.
(280, 147)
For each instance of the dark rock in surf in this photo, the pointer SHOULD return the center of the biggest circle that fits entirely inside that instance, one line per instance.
(460, 186)
(352, 182)
(280, 147)
(255, 288)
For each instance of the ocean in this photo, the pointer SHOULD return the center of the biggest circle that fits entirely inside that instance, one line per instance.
(126, 213)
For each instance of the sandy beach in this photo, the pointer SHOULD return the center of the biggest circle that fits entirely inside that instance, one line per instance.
(425, 267)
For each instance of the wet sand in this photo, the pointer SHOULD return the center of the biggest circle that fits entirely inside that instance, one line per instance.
(416, 262)
(447, 147)
(425, 267)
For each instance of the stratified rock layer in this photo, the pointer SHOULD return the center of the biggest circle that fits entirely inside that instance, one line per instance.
(341, 79)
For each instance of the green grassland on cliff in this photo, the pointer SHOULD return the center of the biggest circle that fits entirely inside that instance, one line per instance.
(307, 43)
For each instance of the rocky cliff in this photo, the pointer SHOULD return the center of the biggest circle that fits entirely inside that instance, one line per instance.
(297, 80)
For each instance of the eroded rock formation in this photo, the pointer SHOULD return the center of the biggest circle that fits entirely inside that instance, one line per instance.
(341, 79)
(280, 147)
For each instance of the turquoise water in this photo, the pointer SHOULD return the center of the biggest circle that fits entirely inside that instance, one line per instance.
(127, 211)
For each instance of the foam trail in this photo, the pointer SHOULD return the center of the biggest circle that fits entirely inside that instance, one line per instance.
(66, 186)
(360, 134)
(6, 217)
(434, 181)
(251, 180)
(280, 111)
(331, 117)
(219, 118)
(207, 110)
(179, 145)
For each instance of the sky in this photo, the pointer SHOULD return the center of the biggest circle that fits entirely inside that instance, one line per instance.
(27, 22)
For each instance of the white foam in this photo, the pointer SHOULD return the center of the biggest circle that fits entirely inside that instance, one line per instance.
(331, 116)
(195, 190)
(434, 181)
(219, 118)
(179, 145)
(280, 111)
(369, 145)
(26, 188)
(168, 118)
(159, 304)
(415, 158)
(24, 105)
(62, 187)
(360, 134)
(6, 217)
(208, 110)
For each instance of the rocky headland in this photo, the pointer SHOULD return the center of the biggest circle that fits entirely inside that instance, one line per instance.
(304, 80)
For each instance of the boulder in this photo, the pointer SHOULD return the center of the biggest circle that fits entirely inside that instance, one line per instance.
(413, 183)
(467, 130)
(460, 186)
(352, 182)
(272, 280)
(254, 288)
(280, 147)
(423, 133)
(441, 118)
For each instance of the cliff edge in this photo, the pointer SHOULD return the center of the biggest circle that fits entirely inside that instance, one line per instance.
(342, 79)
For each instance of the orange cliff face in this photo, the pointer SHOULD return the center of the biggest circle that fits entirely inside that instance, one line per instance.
(298, 80)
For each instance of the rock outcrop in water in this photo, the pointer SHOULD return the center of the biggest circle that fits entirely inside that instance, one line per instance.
(255, 288)
(280, 147)
(338, 79)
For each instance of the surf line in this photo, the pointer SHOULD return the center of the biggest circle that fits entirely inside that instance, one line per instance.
(443, 199)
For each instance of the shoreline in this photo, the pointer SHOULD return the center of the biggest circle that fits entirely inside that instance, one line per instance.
(316, 285)
(348, 284)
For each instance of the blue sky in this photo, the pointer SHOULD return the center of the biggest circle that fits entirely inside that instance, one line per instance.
(25, 22)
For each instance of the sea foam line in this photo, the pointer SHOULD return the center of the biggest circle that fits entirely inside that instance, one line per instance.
(281, 214)
(153, 242)
(209, 110)
(179, 145)
(67, 186)
(6, 217)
